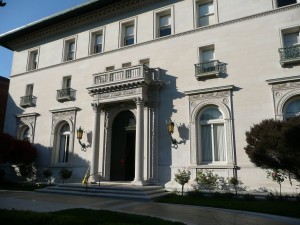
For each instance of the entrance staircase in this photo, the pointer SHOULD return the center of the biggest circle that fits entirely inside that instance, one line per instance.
(109, 190)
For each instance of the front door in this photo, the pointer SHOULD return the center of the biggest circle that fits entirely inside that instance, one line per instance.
(123, 147)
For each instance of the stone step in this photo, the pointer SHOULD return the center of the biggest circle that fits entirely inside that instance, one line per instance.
(124, 191)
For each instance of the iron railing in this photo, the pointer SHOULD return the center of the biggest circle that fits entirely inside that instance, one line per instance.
(27, 101)
(289, 54)
(213, 67)
(66, 94)
(126, 74)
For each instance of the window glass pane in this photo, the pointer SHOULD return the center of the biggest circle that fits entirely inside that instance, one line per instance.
(206, 143)
(207, 56)
(293, 109)
(129, 31)
(64, 144)
(164, 31)
(71, 46)
(29, 89)
(206, 9)
(165, 20)
(219, 143)
(290, 39)
(281, 3)
(98, 39)
(26, 134)
(211, 113)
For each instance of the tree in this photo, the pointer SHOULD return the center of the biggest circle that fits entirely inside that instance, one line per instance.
(2, 4)
(65, 174)
(274, 144)
(182, 177)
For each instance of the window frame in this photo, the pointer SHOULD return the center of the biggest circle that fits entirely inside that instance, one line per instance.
(92, 45)
(31, 63)
(275, 4)
(66, 48)
(197, 4)
(162, 13)
(122, 31)
(289, 30)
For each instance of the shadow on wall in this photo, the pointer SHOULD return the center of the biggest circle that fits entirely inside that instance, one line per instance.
(166, 111)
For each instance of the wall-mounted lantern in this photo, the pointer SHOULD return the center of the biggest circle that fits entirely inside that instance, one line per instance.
(79, 137)
(170, 129)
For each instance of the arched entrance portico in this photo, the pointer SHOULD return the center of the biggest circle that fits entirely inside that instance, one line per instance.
(123, 147)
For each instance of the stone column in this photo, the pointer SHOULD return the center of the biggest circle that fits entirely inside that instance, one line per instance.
(95, 142)
(139, 142)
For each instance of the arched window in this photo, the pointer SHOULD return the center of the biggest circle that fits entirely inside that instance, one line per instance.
(64, 143)
(292, 108)
(211, 135)
(25, 134)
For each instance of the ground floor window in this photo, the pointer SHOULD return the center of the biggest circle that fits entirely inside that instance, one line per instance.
(64, 143)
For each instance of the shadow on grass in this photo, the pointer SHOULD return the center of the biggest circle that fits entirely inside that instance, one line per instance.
(78, 217)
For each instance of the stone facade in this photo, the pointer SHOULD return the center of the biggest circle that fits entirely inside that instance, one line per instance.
(156, 79)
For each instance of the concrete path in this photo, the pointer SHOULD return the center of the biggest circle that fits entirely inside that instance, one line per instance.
(191, 215)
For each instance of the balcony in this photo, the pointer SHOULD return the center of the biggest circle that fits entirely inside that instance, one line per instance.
(27, 101)
(125, 78)
(66, 94)
(208, 69)
(290, 55)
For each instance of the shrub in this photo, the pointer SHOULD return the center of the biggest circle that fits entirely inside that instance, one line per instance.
(48, 175)
(207, 180)
(65, 174)
(27, 170)
(182, 177)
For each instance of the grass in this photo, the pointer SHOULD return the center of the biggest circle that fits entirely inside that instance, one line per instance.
(281, 207)
(78, 217)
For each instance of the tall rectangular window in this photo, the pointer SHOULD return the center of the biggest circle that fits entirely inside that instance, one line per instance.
(70, 49)
(206, 15)
(129, 35)
(96, 44)
(66, 82)
(291, 39)
(165, 27)
(127, 32)
(29, 90)
(33, 60)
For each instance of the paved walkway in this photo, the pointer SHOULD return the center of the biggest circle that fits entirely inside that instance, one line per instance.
(191, 215)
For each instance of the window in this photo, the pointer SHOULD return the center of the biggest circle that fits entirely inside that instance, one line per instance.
(109, 68)
(96, 42)
(128, 33)
(207, 55)
(205, 13)
(124, 65)
(33, 60)
(28, 100)
(290, 39)
(29, 90)
(290, 52)
(164, 23)
(70, 49)
(66, 82)
(25, 134)
(66, 93)
(292, 108)
(281, 3)
(212, 137)
(145, 62)
(63, 142)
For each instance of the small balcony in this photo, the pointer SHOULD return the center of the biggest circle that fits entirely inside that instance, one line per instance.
(125, 77)
(66, 94)
(208, 69)
(27, 101)
(290, 55)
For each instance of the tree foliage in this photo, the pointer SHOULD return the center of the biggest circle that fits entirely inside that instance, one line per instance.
(275, 144)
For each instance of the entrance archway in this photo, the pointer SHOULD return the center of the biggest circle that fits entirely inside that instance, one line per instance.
(123, 147)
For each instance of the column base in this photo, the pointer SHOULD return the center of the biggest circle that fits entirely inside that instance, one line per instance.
(138, 183)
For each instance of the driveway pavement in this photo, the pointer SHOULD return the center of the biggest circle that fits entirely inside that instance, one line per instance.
(191, 215)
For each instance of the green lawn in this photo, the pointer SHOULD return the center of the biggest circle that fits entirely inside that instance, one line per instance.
(275, 206)
(78, 217)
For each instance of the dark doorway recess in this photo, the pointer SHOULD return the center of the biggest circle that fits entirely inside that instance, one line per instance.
(123, 147)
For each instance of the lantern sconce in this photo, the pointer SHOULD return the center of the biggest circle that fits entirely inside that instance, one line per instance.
(170, 129)
(79, 137)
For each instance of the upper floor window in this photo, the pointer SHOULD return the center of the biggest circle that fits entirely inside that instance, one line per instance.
(96, 45)
(66, 93)
(292, 108)
(164, 23)
(128, 32)
(28, 100)
(212, 135)
(205, 13)
(290, 52)
(291, 38)
(281, 3)
(69, 49)
(33, 60)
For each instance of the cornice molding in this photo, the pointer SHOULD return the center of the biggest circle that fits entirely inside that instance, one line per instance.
(64, 109)
(206, 90)
(283, 79)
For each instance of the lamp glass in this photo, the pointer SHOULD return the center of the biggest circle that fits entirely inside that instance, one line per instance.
(170, 127)
(79, 133)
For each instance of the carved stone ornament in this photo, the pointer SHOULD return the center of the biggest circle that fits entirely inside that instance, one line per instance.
(67, 114)
(118, 94)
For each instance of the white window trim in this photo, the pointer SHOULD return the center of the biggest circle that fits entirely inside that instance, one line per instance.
(202, 48)
(196, 12)
(63, 82)
(29, 59)
(65, 52)
(100, 30)
(161, 12)
(122, 25)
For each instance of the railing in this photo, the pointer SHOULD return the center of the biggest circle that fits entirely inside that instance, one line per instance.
(27, 101)
(66, 94)
(207, 67)
(289, 54)
(126, 74)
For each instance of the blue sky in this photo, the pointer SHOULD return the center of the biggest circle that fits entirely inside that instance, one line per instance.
(18, 13)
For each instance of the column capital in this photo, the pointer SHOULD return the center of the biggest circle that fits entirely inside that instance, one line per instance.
(95, 106)
(139, 101)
